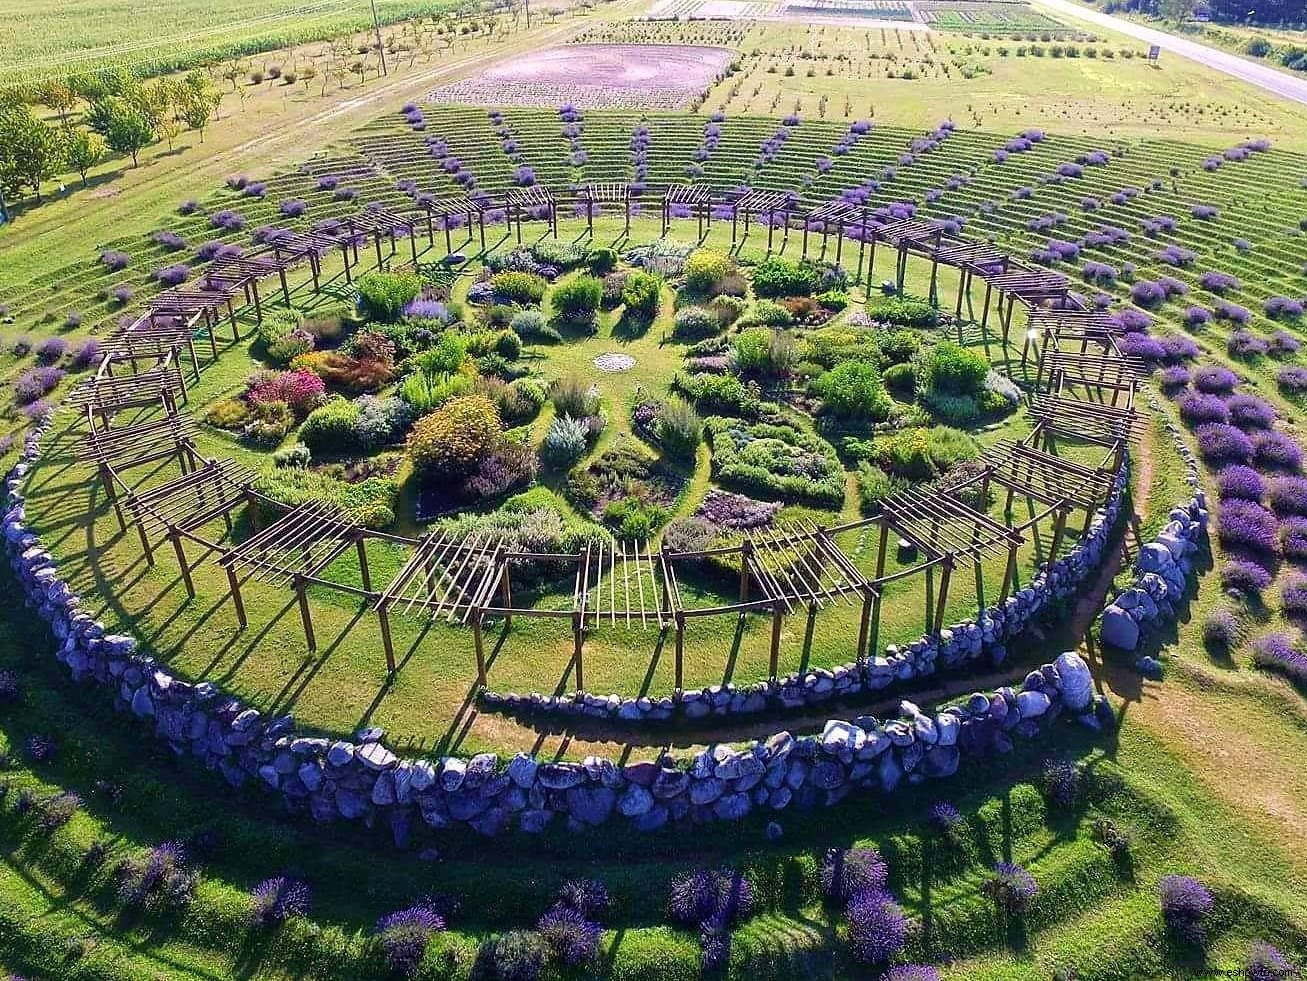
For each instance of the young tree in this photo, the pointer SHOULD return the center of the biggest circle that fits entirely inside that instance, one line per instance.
(129, 128)
(31, 152)
(196, 110)
(83, 150)
(60, 98)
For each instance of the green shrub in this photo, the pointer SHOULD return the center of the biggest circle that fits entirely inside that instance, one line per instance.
(560, 255)
(678, 429)
(269, 423)
(900, 378)
(770, 314)
(640, 295)
(778, 276)
(775, 459)
(917, 454)
(565, 442)
(633, 518)
(727, 308)
(425, 392)
(283, 337)
(573, 396)
(835, 300)
(950, 369)
(453, 438)
(532, 325)
(853, 390)
(764, 353)
(901, 311)
(228, 414)
(829, 346)
(519, 287)
(577, 301)
(602, 261)
(384, 295)
(1258, 47)
(706, 269)
(446, 355)
(695, 322)
(329, 323)
(901, 345)
(292, 456)
(331, 427)
(874, 484)
(722, 394)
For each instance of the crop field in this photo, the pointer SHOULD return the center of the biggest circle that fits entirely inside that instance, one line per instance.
(39, 40)
(638, 497)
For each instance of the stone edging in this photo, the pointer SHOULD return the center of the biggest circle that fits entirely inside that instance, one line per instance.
(361, 779)
(1160, 574)
(956, 646)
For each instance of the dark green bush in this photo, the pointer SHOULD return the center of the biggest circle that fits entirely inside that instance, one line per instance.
(519, 287)
(778, 276)
(853, 390)
(902, 311)
(640, 295)
(384, 295)
(577, 301)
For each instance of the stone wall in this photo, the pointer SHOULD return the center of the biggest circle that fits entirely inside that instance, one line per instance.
(360, 779)
(956, 647)
(1160, 574)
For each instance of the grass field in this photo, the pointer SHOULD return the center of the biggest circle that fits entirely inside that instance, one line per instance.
(1203, 772)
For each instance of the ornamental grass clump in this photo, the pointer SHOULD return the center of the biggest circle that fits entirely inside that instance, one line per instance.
(277, 899)
(1185, 903)
(403, 936)
(848, 871)
(1246, 524)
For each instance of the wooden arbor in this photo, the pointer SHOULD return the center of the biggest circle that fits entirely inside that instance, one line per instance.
(295, 550)
(1060, 415)
(761, 204)
(378, 225)
(945, 530)
(116, 451)
(694, 197)
(593, 196)
(839, 214)
(1029, 287)
(107, 395)
(464, 208)
(524, 202)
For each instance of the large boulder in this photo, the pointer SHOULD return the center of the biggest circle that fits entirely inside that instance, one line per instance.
(1119, 629)
(1074, 682)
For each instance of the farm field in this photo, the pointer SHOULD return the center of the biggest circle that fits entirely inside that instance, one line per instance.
(666, 499)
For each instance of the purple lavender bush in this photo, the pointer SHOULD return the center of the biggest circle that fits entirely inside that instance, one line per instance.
(1246, 524)
(847, 871)
(878, 927)
(1185, 902)
(277, 899)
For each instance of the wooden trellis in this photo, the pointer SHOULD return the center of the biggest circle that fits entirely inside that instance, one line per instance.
(839, 214)
(181, 506)
(308, 247)
(156, 336)
(762, 204)
(116, 450)
(970, 258)
(1095, 372)
(1090, 422)
(696, 197)
(522, 201)
(295, 550)
(463, 207)
(450, 577)
(377, 224)
(239, 273)
(106, 395)
(189, 302)
(611, 192)
(945, 529)
(1029, 287)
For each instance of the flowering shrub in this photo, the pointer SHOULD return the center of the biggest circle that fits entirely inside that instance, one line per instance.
(1250, 412)
(571, 937)
(404, 935)
(173, 275)
(1288, 495)
(718, 897)
(1292, 380)
(1241, 482)
(1011, 887)
(115, 261)
(878, 927)
(1247, 524)
(911, 972)
(1221, 630)
(1247, 577)
(51, 350)
(1276, 451)
(162, 881)
(277, 899)
(1220, 283)
(227, 220)
(34, 383)
(1223, 443)
(1214, 378)
(453, 438)
(722, 509)
(845, 872)
(1282, 308)
(1185, 902)
(300, 390)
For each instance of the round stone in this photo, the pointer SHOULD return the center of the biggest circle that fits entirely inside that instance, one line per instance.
(614, 361)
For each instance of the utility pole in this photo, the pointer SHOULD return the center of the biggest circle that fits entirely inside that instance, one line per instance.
(381, 48)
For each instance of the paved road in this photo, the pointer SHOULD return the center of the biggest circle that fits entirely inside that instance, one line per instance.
(1270, 79)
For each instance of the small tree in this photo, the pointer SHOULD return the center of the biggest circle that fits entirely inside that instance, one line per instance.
(31, 152)
(83, 150)
(196, 110)
(129, 129)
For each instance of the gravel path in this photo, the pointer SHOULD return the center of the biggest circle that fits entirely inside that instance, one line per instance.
(1264, 77)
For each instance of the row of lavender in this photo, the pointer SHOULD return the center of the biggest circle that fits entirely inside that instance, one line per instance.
(355, 779)
(957, 647)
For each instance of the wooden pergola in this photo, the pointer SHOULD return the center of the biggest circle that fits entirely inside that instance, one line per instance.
(696, 197)
(240, 273)
(376, 225)
(1029, 287)
(295, 550)
(106, 395)
(190, 302)
(1058, 415)
(840, 214)
(762, 204)
(462, 207)
(117, 450)
(178, 508)
(594, 195)
(522, 201)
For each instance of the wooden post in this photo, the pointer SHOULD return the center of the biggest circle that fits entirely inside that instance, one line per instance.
(363, 564)
(235, 584)
(864, 625)
(1009, 574)
(258, 307)
(301, 593)
(479, 644)
(175, 537)
(1059, 527)
(506, 596)
(387, 644)
(776, 617)
(942, 600)
(884, 547)
(680, 651)
(578, 637)
(145, 544)
(376, 242)
(746, 549)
